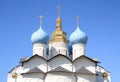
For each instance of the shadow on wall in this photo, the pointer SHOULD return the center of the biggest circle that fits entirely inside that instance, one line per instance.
(101, 78)
(53, 52)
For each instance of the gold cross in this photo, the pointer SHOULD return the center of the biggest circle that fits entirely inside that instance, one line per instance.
(58, 11)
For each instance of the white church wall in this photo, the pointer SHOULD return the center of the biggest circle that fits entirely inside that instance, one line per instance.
(33, 77)
(60, 77)
(60, 61)
(18, 70)
(86, 78)
(35, 62)
(58, 48)
(40, 49)
(11, 79)
(26, 67)
(78, 50)
(84, 62)
(100, 70)
(101, 79)
(19, 78)
(109, 77)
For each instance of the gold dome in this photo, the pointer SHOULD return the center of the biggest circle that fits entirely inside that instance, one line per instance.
(59, 35)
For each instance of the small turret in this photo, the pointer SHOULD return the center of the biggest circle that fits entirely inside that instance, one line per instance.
(78, 40)
(39, 40)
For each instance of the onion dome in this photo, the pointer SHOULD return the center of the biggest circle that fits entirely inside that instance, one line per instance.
(78, 36)
(40, 36)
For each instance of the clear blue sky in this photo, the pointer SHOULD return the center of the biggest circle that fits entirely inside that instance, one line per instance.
(99, 19)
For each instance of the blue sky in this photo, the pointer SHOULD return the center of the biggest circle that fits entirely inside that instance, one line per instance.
(99, 19)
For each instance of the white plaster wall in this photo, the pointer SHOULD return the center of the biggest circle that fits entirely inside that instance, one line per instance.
(35, 62)
(86, 78)
(100, 78)
(100, 70)
(17, 70)
(78, 50)
(60, 77)
(33, 77)
(60, 61)
(109, 77)
(11, 79)
(40, 49)
(58, 48)
(89, 65)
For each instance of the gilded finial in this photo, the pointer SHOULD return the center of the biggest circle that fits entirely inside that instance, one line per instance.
(14, 75)
(41, 20)
(58, 8)
(105, 75)
(77, 19)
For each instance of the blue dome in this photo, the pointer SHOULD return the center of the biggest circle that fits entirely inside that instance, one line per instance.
(78, 36)
(40, 36)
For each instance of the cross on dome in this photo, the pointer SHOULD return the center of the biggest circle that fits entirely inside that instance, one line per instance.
(78, 36)
(58, 8)
(77, 19)
(40, 36)
(41, 17)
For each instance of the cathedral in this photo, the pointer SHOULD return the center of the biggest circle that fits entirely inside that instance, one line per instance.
(57, 59)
